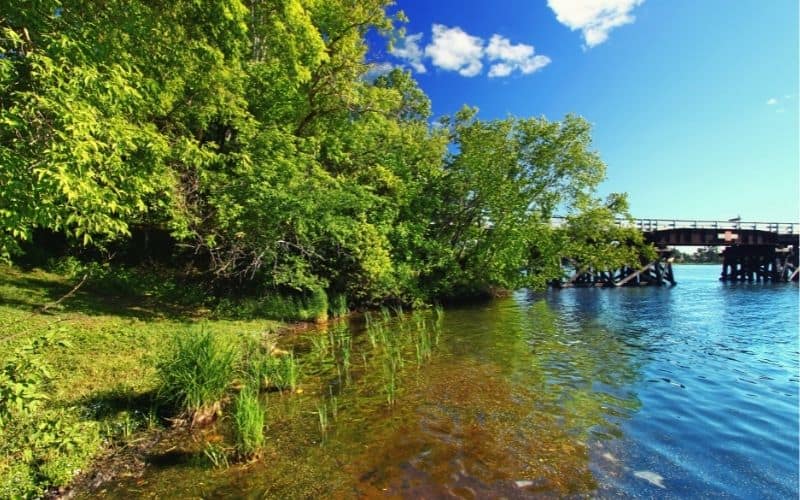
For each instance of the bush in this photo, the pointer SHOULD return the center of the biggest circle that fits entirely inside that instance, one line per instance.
(196, 372)
(249, 417)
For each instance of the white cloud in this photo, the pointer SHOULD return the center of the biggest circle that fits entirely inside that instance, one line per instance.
(378, 69)
(452, 49)
(595, 18)
(410, 52)
(512, 57)
(500, 69)
(772, 101)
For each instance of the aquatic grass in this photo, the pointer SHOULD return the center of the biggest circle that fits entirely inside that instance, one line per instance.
(373, 330)
(249, 419)
(338, 306)
(390, 383)
(196, 372)
(266, 371)
(280, 305)
(292, 372)
(334, 407)
(344, 343)
(320, 346)
(322, 415)
(216, 455)
(422, 345)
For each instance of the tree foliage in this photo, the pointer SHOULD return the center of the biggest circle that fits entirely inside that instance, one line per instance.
(250, 131)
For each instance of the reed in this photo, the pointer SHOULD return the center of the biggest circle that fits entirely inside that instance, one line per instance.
(196, 372)
(249, 418)
(322, 415)
(267, 372)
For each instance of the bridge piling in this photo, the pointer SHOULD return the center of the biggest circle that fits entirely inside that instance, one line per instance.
(759, 263)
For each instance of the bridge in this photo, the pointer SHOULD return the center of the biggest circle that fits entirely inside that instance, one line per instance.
(753, 251)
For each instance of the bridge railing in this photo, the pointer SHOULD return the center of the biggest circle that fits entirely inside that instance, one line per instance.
(659, 224)
(647, 225)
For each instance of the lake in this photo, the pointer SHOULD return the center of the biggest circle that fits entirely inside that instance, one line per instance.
(689, 391)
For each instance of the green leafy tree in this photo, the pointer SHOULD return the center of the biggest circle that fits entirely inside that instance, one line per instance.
(250, 132)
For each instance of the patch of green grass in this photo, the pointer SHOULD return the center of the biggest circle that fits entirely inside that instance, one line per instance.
(103, 381)
(249, 418)
(197, 371)
(278, 305)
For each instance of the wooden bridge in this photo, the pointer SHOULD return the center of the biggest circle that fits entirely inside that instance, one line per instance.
(754, 251)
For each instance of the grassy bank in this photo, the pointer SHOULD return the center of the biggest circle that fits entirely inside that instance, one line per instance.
(81, 375)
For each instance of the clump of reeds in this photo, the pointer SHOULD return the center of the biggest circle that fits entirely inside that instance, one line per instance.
(338, 306)
(268, 372)
(195, 374)
(249, 419)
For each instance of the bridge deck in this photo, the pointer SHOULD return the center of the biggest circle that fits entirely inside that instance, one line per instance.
(684, 232)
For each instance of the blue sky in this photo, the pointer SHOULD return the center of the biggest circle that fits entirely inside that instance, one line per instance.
(694, 103)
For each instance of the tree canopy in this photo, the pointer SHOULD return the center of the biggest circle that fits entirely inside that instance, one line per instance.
(251, 131)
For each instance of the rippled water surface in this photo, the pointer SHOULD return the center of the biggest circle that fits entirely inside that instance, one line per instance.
(684, 392)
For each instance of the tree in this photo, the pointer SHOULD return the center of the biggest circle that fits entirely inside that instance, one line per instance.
(249, 131)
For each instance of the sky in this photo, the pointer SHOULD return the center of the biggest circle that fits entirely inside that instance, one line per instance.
(694, 103)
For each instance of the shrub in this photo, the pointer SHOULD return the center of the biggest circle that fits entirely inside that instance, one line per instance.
(196, 372)
(249, 417)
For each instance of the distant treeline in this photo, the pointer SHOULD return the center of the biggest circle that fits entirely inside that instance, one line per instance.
(252, 143)
(703, 255)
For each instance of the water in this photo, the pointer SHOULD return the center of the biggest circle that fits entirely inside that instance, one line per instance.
(683, 392)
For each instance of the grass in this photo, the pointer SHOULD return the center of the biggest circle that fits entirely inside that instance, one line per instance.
(322, 415)
(249, 417)
(312, 306)
(107, 349)
(216, 455)
(39, 444)
(107, 342)
(267, 372)
(197, 371)
(338, 306)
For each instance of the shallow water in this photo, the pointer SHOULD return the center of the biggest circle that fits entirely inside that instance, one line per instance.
(689, 391)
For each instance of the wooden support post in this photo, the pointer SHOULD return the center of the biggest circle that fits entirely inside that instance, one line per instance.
(669, 274)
